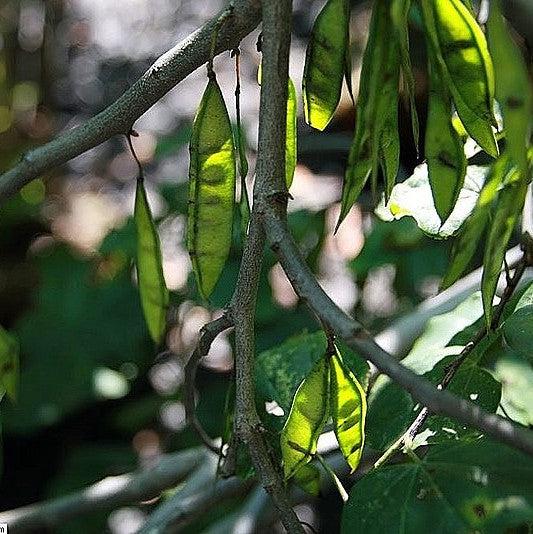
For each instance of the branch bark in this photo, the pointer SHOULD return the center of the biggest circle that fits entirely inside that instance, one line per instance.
(170, 69)
(438, 402)
(108, 494)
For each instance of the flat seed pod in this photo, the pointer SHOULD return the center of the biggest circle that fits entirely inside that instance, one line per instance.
(307, 477)
(291, 145)
(348, 411)
(9, 365)
(212, 176)
(444, 152)
(461, 52)
(152, 288)
(513, 90)
(469, 237)
(506, 214)
(306, 420)
(376, 136)
(326, 63)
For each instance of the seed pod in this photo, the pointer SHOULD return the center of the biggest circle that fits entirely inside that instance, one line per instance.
(326, 63)
(376, 134)
(291, 145)
(444, 151)
(348, 410)
(212, 176)
(461, 54)
(152, 288)
(306, 420)
(513, 90)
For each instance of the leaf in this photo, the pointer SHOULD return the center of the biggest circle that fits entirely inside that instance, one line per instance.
(307, 477)
(152, 287)
(462, 487)
(325, 63)
(348, 411)
(513, 89)
(461, 54)
(414, 198)
(399, 14)
(291, 144)
(376, 135)
(506, 214)
(468, 240)
(306, 419)
(518, 331)
(444, 151)
(9, 365)
(212, 176)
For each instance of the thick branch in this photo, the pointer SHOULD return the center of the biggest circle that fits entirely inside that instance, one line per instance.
(439, 402)
(107, 494)
(170, 69)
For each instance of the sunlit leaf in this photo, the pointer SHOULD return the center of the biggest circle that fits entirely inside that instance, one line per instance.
(307, 477)
(348, 411)
(212, 176)
(152, 287)
(291, 145)
(9, 364)
(461, 487)
(306, 420)
(325, 63)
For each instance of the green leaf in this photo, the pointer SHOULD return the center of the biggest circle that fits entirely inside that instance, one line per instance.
(291, 145)
(152, 287)
(518, 331)
(513, 89)
(325, 63)
(307, 477)
(9, 365)
(506, 214)
(468, 240)
(463, 487)
(461, 54)
(400, 14)
(212, 176)
(375, 139)
(444, 151)
(414, 198)
(306, 419)
(348, 411)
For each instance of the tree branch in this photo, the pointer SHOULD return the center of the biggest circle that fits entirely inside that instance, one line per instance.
(108, 494)
(439, 402)
(170, 69)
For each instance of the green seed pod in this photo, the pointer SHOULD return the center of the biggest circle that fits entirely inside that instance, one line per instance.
(461, 54)
(152, 288)
(212, 176)
(306, 420)
(444, 151)
(348, 411)
(326, 63)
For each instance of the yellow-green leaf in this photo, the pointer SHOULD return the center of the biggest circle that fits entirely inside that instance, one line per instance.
(506, 214)
(376, 137)
(513, 89)
(325, 63)
(348, 411)
(212, 176)
(460, 50)
(9, 365)
(291, 144)
(307, 477)
(152, 288)
(444, 151)
(306, 420)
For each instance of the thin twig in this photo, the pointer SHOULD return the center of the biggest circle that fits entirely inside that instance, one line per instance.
(169, 70)
(207, 335)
